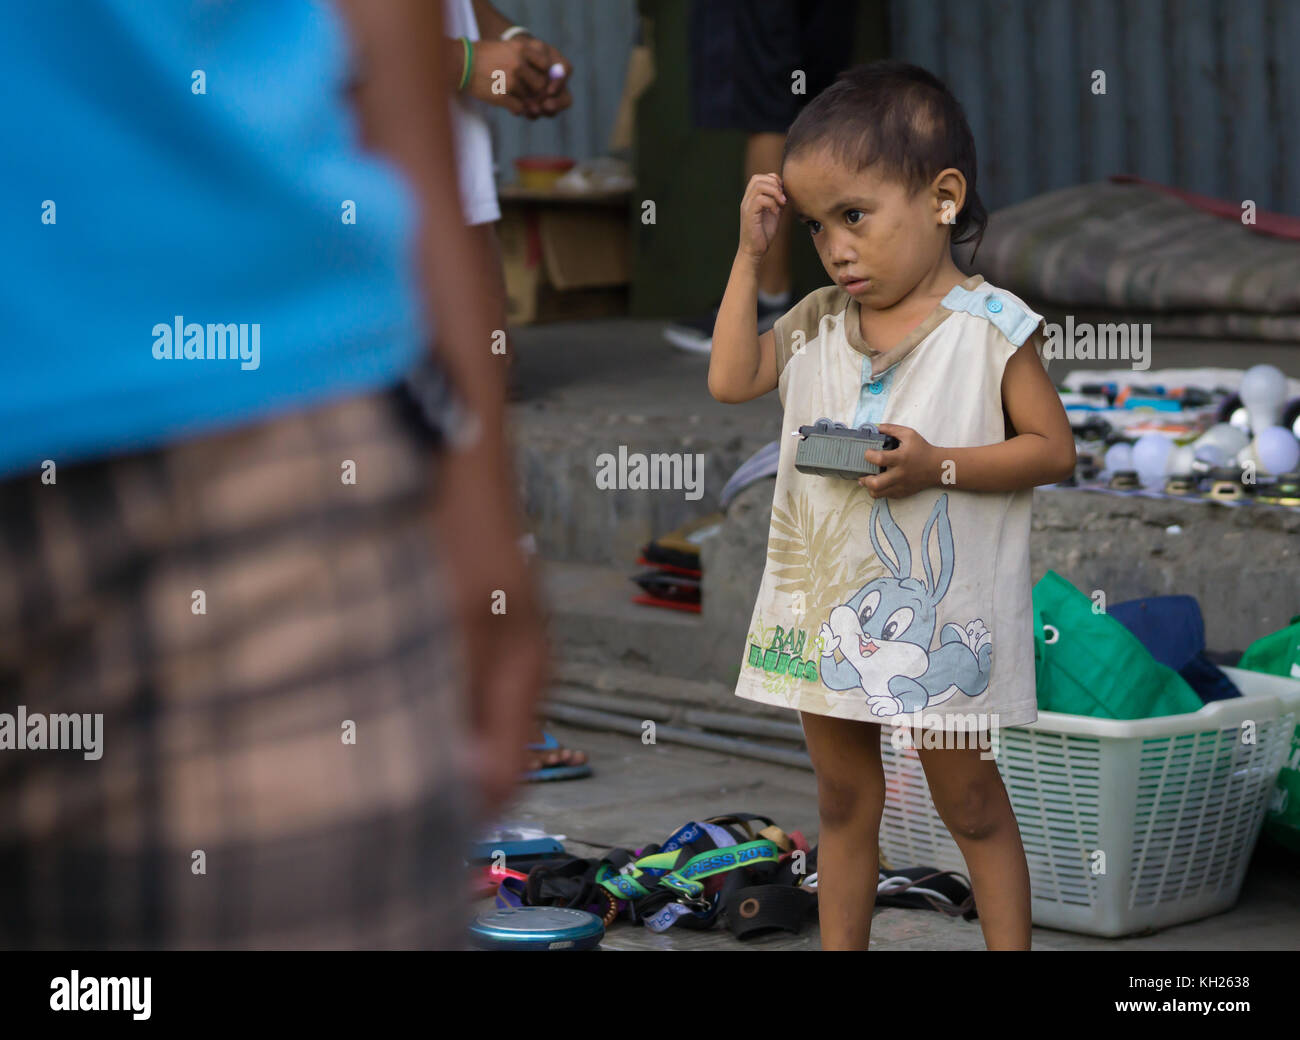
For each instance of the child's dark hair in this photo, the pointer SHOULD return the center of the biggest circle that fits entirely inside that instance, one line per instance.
(903, 117)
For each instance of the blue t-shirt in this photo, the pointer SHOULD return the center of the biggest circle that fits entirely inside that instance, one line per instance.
(192, 236)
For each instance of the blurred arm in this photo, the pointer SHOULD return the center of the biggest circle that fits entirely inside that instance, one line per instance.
(405, 115)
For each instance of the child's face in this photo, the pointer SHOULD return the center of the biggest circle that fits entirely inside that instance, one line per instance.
(876, 239)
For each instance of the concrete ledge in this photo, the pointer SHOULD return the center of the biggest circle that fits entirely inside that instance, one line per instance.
(1242, 565)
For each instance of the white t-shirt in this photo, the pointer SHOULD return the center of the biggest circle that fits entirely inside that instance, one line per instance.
(877, 609)
(478, 190)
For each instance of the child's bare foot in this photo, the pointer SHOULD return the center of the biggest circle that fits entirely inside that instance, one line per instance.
(545, 752)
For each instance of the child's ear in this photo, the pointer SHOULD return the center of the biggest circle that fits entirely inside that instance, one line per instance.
(949, 192)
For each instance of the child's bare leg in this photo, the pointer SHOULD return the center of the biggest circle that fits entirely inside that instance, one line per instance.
(973, 804)
(850, 799)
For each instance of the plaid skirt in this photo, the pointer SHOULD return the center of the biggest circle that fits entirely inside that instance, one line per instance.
(259, 618)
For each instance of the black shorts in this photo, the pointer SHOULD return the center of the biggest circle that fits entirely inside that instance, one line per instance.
(744, 54)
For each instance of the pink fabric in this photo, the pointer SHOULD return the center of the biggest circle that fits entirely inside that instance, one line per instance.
(1277, 224)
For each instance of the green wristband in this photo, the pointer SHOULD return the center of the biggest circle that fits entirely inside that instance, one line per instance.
(469, 62)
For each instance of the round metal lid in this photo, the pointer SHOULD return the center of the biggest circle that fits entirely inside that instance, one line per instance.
(554, 927)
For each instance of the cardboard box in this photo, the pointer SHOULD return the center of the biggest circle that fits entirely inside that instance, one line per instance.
(566, 255)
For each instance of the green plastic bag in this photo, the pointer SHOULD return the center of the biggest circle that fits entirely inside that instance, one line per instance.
(1279, 654)
(1089, 664)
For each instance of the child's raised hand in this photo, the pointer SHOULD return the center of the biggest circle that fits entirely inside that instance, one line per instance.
(760, 212)
(909, 468)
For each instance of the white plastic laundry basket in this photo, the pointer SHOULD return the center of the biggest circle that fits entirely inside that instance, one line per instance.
(1176, 805)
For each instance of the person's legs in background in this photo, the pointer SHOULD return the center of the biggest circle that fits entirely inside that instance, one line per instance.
(752, 68)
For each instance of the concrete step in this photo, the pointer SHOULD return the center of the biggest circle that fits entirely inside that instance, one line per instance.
(675, 698)
(690, 712)
(588, 390)
(593, 619)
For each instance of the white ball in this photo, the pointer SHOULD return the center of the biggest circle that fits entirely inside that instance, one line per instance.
(1150, 454)
(1277, 449)
(1119, 456)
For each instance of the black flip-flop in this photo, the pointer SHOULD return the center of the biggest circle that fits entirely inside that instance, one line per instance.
(927, 888)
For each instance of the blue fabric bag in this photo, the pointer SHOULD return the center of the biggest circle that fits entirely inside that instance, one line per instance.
(1173, 632)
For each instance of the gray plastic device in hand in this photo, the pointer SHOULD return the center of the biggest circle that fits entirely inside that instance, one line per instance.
(831, 449)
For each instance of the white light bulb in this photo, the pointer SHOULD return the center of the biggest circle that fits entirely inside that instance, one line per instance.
(1119, 456)
(1263, 392)
(1211, 454)
(1180, 459)
(1150, 454)
(1277, 449)
(1227, 438)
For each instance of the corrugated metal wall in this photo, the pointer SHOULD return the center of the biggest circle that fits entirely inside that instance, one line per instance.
(1200, 94)
(596, 36)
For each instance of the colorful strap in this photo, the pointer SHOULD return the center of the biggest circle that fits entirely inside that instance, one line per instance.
(469, 62)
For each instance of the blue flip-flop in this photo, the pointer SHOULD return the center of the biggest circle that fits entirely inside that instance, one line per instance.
(549, 743)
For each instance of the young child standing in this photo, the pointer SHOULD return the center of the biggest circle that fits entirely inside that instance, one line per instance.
(903, 598)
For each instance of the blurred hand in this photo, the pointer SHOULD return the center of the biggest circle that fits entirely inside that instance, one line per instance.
(557, 97)
(514, 74)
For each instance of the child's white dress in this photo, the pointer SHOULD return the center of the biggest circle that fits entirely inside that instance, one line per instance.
(874, 609)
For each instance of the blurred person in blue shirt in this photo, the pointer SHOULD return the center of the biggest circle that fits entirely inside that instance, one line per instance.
(252, 689)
